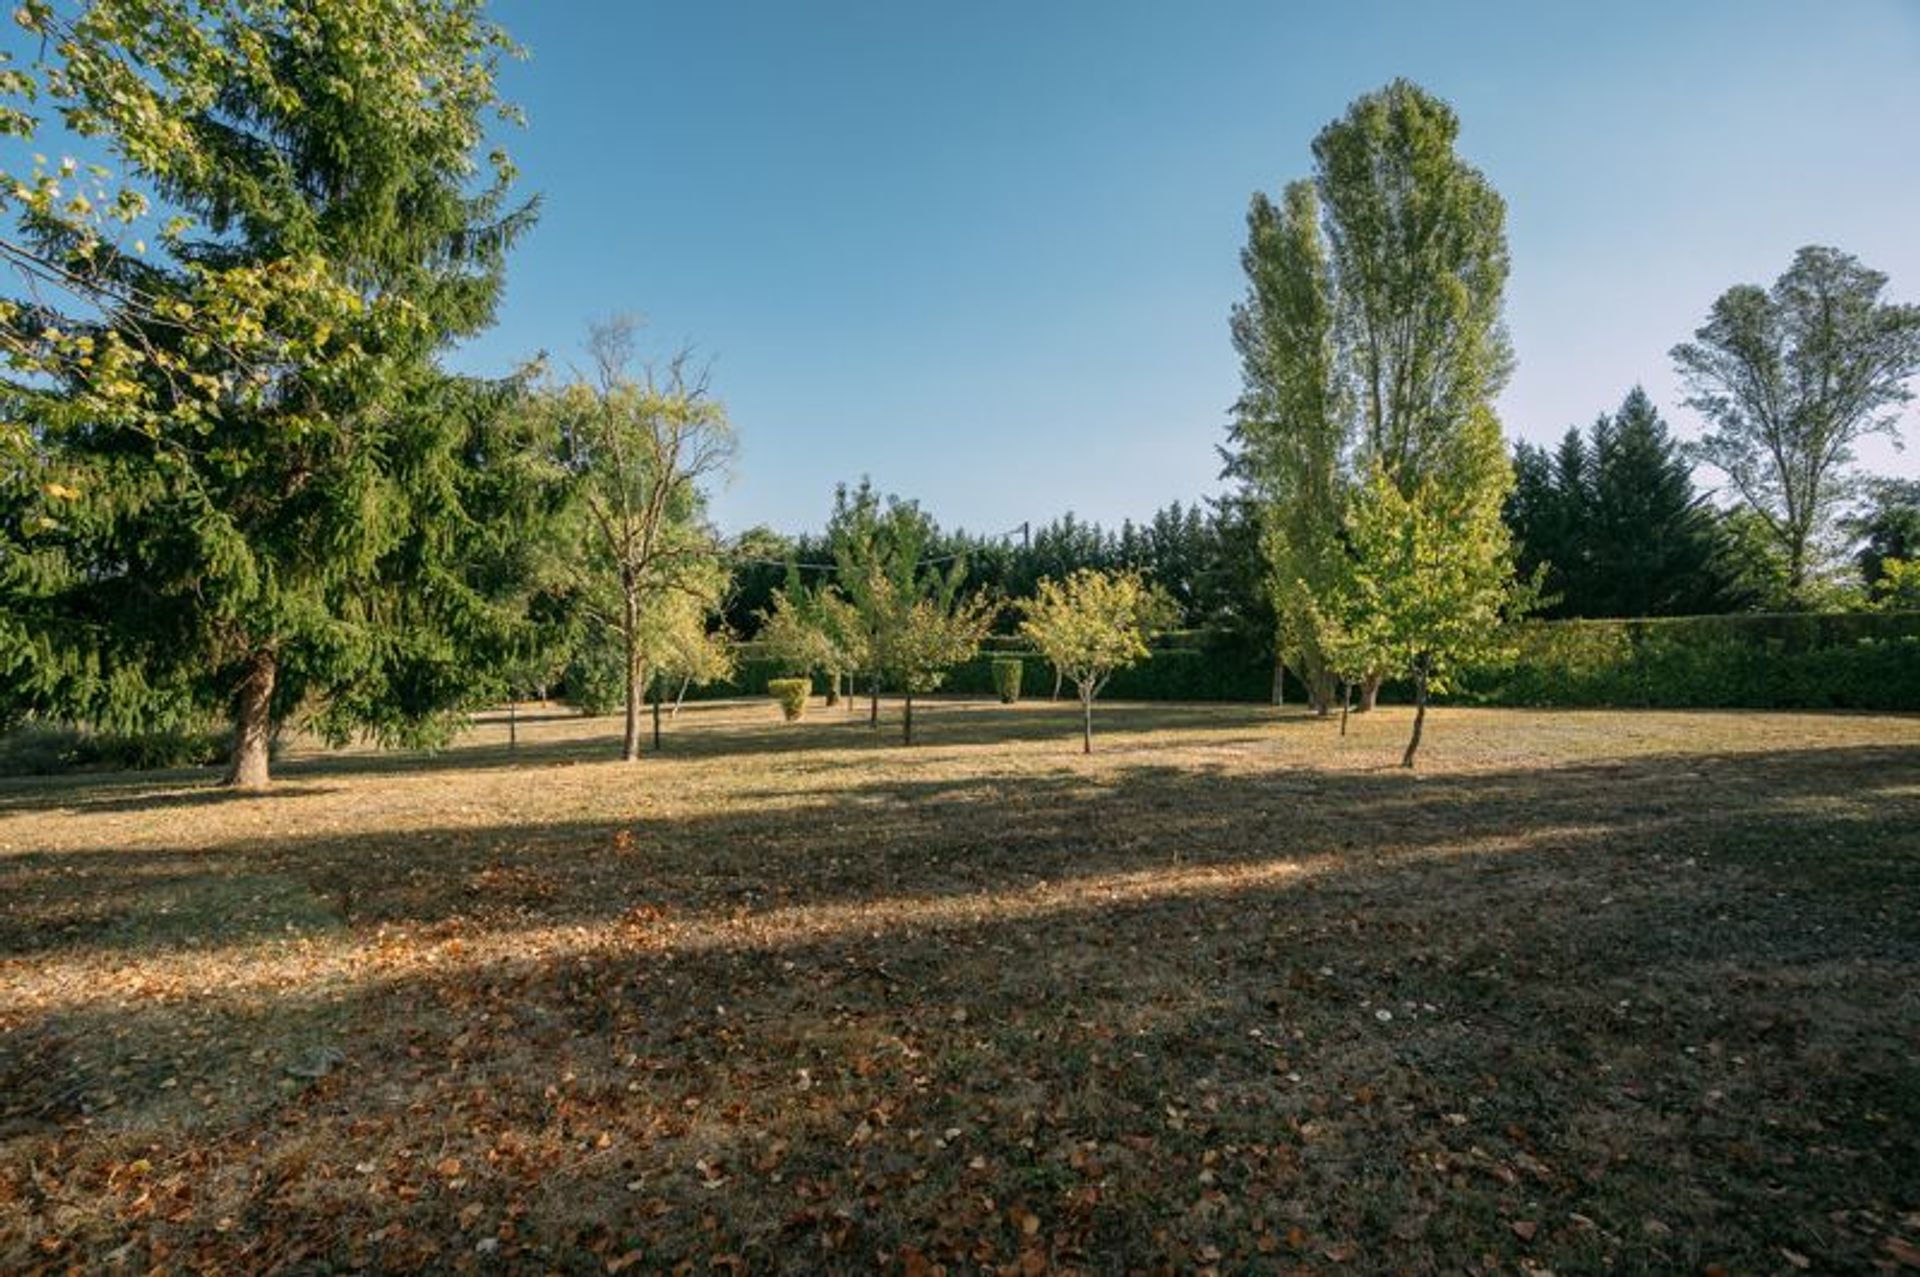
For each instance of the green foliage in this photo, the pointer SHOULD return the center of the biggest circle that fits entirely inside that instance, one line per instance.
(1856, 660)
(810, 631)
(244, 481)
(791, 693)
(1292, 426)
(1007, 671)
(1898, 589)
(1888, 527)
(1612, 523)
(905, 617)
(1791, 378)
(1371, 349)
(46, 749)
(635, 560)
(1093, 624)
(1431, 583)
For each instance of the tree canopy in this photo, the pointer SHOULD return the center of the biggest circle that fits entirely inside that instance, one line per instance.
(247, 480)
(1790, 378)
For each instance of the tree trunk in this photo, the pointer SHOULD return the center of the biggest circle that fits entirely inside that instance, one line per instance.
(833, 688)
(1279, 681)
(513, 726)
(1086, 724)
(1419, 713)
(659, 693)
(1369, 693)
(250, 766)
(873, 706)
(630, 651)
(1346, 703)
(1058, 674)
(680, 697)
(907, 720)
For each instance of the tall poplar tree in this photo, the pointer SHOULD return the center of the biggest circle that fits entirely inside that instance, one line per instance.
(1372, 347)
(1290, 431)
(249, 488)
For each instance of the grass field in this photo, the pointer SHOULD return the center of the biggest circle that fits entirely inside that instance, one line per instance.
(1590, 992)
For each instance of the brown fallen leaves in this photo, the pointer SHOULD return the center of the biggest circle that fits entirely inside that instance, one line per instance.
(816, 1005)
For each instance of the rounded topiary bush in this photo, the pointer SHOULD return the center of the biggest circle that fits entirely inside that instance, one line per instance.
(791, 693)
(1006, 678)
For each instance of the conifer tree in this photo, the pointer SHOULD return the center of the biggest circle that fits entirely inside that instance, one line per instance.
(248, 486)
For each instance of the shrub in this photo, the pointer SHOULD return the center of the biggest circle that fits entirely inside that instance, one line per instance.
(792, 694)
(1006, 678)
(47, 749)
(1805, 661)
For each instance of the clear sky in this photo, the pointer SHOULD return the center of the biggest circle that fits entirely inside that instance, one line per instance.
(985, 252)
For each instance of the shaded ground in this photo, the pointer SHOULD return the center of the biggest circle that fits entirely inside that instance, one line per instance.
(1591, 992)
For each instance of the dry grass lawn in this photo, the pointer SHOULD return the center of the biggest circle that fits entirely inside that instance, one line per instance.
(1594, 992)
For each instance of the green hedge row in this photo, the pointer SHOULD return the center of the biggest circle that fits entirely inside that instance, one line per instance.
(1845, 660)
(1837, 661)
(1170, 674)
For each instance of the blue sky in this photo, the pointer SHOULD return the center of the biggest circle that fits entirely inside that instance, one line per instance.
(985, 252)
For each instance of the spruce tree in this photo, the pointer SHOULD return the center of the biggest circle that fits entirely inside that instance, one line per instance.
(1611, 521)
(252, 494)
(1652, 537)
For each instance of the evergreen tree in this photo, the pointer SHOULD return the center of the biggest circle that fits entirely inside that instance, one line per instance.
(250, 491)
(1653, 539)
(1533, 517)
(1613, 524)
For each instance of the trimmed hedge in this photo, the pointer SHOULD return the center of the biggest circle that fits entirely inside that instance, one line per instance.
(1849, 660)
(1840, 660)
(1007, 672)
(792, 695)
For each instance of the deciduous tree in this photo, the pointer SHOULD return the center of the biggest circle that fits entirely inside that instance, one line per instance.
(636, 447)
(1790, 378)
(1092, 624)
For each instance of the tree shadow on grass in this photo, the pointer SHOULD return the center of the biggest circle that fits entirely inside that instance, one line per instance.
(939, 723)
(873, 838)
(1677, 990)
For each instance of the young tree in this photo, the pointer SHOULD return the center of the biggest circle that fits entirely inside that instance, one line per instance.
(248, 490)
(1092, 624)
(1790, 379)
(802, 632)
(1432, 582)
(636, 450)
(895, 605)
(682, 649)
(924, 635)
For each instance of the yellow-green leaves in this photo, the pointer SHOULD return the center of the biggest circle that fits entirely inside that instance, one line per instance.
(1094, 623)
